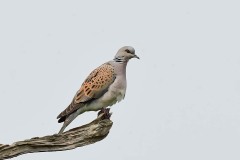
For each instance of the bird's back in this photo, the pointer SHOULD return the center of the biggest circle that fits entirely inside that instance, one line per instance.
(94, 86)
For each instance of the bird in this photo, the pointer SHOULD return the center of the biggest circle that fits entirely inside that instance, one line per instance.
(104, 86)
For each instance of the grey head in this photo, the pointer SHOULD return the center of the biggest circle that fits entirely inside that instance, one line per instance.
(124, 54)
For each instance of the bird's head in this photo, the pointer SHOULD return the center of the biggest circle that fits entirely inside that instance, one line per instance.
(125, 53)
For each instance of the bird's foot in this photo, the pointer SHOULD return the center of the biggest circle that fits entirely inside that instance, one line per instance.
(106, 113)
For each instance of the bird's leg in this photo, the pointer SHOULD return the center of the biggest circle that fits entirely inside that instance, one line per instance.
(106, 113)
(101, 111)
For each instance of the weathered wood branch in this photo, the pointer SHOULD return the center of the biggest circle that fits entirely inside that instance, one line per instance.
(77, 137)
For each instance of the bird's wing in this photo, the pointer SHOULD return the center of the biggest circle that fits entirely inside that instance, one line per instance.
(94, 86)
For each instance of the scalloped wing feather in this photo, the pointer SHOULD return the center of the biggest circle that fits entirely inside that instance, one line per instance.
(94, 86)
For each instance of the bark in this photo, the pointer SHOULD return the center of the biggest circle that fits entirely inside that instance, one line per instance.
(77, 137)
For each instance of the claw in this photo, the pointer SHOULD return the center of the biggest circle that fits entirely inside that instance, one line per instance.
(106, 113)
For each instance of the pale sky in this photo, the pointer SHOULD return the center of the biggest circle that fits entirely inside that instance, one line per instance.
(183, 95)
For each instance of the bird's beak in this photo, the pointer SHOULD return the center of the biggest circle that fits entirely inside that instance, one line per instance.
(135, 56)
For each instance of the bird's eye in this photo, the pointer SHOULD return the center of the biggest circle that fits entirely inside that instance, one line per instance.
(128, 51)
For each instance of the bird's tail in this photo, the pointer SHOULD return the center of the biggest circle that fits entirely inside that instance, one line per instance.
(69, 119)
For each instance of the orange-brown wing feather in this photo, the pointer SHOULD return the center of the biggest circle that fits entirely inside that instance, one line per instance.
(94, 86)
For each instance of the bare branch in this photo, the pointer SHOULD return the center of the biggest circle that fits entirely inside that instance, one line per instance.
(77, 137)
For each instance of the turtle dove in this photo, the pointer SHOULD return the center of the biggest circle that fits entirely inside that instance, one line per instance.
(105, 86)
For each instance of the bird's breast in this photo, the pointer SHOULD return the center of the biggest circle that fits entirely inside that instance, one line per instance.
(120, 96)
(116, 92)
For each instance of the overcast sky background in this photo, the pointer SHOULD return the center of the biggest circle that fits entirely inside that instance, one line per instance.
(183, 95)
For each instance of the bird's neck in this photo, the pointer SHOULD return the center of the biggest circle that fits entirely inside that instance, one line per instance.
(121, 67)
(120, 59)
